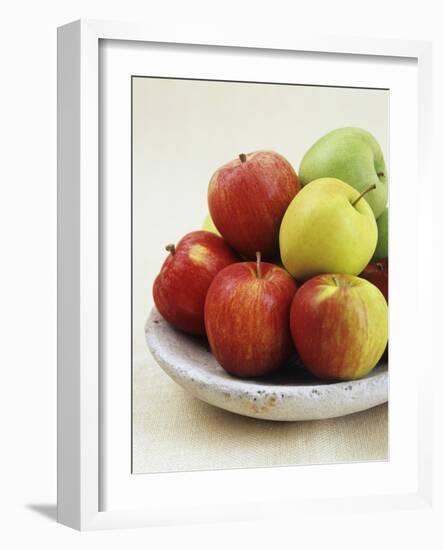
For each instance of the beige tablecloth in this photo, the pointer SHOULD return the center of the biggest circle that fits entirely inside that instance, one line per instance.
(174, 431)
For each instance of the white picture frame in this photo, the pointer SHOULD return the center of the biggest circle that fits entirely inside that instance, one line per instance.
(79, 369)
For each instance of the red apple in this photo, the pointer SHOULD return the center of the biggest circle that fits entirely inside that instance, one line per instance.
(247, 199)
(180, 288)
(339, 324)
(377, 274)
(247, 317)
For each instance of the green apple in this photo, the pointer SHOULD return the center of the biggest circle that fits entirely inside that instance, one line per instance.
(381, 250)
(329, 227)
(352, 155)
(209, 225)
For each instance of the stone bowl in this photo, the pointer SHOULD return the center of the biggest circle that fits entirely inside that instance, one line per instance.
(289, 395)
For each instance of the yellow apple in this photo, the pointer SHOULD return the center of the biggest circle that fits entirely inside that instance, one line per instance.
(328, 228)
(208, 225)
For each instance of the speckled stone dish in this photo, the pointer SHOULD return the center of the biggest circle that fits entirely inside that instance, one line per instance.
(292, 394)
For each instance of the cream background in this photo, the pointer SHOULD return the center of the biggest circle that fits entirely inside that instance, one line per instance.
(182, 131)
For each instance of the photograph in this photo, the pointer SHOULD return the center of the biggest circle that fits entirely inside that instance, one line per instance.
(259, 274)
(200, 210)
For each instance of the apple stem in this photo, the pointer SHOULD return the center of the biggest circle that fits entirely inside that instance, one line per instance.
(170, 248)
(258, 255)
(363, 193)
(242, 157)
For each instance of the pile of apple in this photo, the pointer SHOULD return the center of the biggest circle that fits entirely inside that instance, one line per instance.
(289, 263)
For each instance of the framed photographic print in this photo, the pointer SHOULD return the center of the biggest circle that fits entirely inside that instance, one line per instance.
(224, 330)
